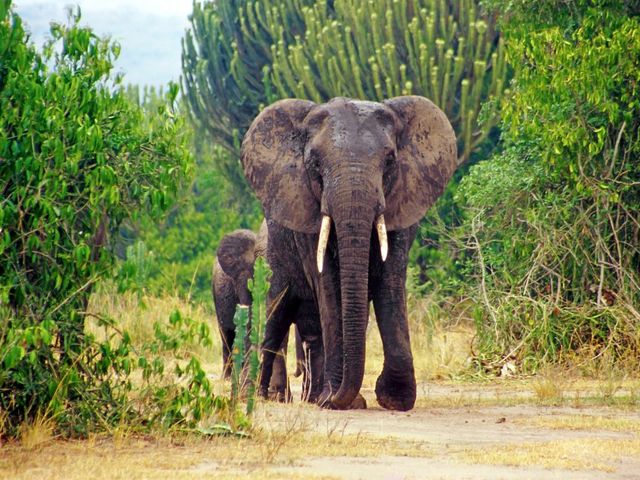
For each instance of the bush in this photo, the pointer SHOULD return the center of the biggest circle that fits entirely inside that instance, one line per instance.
(180, 249)
(553, 221)
(77, 158)
(177, 250)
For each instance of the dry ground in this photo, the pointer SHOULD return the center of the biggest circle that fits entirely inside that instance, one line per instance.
(553, 426)
(502, 429)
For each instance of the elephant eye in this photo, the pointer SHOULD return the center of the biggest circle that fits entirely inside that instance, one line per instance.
(314, 160)
(389, 159)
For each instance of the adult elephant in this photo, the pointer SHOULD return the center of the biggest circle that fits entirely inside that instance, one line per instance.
(233, 267)
(343, 186)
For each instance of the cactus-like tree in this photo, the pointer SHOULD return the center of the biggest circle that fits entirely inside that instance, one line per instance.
(443, 50)
(239, 56)
(223, 57)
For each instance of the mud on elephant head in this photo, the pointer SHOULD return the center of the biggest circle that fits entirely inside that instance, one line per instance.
(356, 177)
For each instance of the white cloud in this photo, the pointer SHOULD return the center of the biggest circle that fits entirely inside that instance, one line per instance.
(167, 8)
(149, 31)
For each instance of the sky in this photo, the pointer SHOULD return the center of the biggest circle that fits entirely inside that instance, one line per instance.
(149, 31)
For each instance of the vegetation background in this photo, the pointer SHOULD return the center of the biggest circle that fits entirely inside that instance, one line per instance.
(108, 188)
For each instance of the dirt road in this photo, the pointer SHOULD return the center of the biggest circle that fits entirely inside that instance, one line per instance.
(480, 432)
(498, 430)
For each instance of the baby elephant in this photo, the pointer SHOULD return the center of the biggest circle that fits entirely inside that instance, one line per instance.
(232, 269)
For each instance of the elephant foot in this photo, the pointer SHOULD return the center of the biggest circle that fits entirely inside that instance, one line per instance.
(281, 395)
(394, 394)
(263, 392)
(359, 403)
(312, 396)
(324, 400)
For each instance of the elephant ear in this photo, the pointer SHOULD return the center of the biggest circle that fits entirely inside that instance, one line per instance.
(236, 253)
(272, 159)
(427, 157)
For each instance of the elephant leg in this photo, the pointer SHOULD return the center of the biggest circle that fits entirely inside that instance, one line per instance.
(396, 385)
(314, 369)
(279, 384)
(228, 336)
(275, 337)
(225, 302)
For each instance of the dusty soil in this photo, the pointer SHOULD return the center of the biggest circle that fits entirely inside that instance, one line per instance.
(500, 430)
(449, 433)
(498, 424)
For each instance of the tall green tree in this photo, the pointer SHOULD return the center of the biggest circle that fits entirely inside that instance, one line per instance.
(175, 254)
(223, 55)
(446, 51)
(77, 158)
(239, 56)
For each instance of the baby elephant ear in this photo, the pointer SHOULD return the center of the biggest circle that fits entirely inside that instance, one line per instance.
(236, 253)
(272, 159)
(427, 157)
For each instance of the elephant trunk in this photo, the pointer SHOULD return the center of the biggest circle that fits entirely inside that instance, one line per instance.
(243, 293)
(353, 231)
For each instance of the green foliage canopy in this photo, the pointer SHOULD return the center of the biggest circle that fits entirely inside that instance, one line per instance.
(557, 214)
(180, 249)
(76, 159)
(174, 254)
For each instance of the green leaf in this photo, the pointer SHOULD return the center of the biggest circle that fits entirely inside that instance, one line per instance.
(13, 356)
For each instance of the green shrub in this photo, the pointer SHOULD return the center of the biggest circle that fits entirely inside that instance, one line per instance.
(181, 247)
(553, 221)
(77, 158)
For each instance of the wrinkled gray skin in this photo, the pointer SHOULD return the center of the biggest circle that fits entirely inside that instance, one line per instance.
(351, 161)
(286, 309)
(232, 269)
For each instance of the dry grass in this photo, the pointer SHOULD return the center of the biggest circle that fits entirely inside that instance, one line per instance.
(294, 432)
(549, 390)
(138, 316)
(586, 422)
(36, 433)
(579, 454)
(534, 391)
(440, 353)
(192, 457)
(441, 339)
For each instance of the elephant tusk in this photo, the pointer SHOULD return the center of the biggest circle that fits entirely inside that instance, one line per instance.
(325, 228)
(382, 237)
